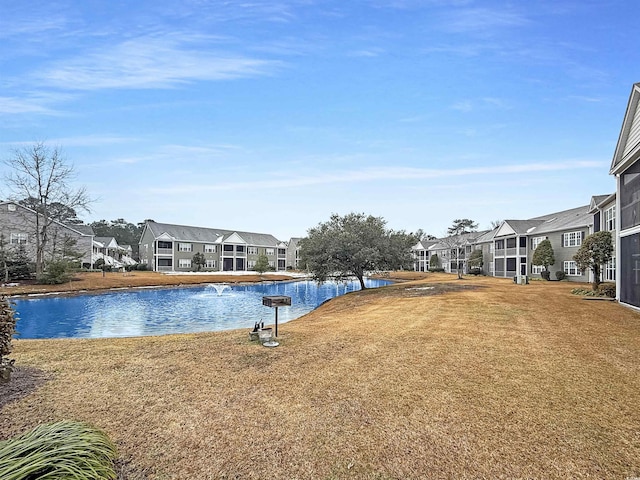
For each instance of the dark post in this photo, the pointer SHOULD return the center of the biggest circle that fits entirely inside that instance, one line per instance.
(276, 301)
(276, 322)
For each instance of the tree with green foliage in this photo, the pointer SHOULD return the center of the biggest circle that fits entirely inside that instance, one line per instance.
(434, 261)
(596, 250)
(476, 260)
(462, 225)
(353, 245)
(262, 264)
(543, 255)
(199, 261)
(20, 265)
(125, 233)
(4, 259)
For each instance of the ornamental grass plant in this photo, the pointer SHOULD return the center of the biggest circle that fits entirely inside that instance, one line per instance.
(60, 450)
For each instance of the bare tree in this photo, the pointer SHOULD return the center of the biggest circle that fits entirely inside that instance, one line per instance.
(456, 245)
(42, 175)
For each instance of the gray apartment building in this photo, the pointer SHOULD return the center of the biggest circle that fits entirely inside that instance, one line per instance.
(167, 247)
(18, 227)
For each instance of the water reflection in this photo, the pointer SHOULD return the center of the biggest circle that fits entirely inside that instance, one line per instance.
(175, 310)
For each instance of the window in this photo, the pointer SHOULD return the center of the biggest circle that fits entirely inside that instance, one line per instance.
(210, 264)
(18, 239)
(630, 200)
(572, 239)
(252, 250)
(499, 244)
(523, 242)
(272, 264)
(610, 219)
(210, 249)
(165, 262)
(511, 242)
(282, 251)
(11, 207)
(227, 248)
(511, 264)
(251, 264)
(240, 248)
(184, 263)
(185, 247)
(269, 251)
(610, 270)
(535, 241)
(162, 244)
(537, 269)
(571, 269)
(281, 264)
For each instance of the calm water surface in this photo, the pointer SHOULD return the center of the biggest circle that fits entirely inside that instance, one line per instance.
(174, 310)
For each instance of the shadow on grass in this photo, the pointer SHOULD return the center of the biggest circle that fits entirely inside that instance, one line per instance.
(24, 380)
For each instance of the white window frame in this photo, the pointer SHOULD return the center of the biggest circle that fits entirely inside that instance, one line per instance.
(210, 248)
(272, 264)
(610, 270)
(610, 219)
(209, 263)
(18, 239)
(571, 269)
(535, 241)
(184, 263)
(572, 239)
(491, 268)
(252, 250)
(537, 269)
(185, 247)
(269, 251)
(251, 264)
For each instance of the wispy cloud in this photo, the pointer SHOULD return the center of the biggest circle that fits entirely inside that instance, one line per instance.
(177, 152)
(153, 62)
(482, 20)
(376, 174)
(33, 103)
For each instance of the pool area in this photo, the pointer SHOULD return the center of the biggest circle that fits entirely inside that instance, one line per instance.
(144, 312)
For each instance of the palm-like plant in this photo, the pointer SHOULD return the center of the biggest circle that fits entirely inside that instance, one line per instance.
(60, 450)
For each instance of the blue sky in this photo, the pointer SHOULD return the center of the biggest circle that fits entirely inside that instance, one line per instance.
(270, 115)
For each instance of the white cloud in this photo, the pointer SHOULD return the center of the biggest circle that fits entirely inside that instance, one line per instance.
(375, 174)
(153, 62)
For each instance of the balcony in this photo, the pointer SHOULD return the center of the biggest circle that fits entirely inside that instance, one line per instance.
(164, 251)
(164, 268)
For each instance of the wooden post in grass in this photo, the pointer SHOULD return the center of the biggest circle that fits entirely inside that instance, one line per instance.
(276, 301)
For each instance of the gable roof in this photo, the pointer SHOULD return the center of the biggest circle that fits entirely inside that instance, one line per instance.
(597, 201)
(80, 229)
(628, 147)
(211, 235)
(567, 219)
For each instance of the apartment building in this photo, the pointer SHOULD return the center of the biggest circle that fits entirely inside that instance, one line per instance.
(507, 250)
(170, 248)
(625, 166)
(18, 228)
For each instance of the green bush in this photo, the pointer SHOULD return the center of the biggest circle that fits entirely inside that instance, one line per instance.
(436, 269)
(545, 274)
(7, 330)
(56, 273)
(607, 290)
(560, 275)
(61, 450)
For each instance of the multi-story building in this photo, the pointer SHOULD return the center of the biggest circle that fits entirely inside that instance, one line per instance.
(18, 228)
(603, 209)
(167, 247)
(626, 168)
(293, 254)
(507, 250)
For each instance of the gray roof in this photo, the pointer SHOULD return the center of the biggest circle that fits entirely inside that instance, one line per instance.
(568, 219)
(522, 227)
(81, 228)
(487, 236)
(203, 234)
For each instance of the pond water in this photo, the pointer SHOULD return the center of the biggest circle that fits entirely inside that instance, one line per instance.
(171, 310)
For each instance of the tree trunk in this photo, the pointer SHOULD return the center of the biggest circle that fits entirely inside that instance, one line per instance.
(361, 279)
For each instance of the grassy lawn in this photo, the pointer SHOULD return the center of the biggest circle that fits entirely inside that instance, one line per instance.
(435, 378)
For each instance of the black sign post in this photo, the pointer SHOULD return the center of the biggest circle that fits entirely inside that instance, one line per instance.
(276, 301)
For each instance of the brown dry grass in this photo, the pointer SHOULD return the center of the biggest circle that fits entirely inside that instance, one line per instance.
(495, 380)
(93, 281)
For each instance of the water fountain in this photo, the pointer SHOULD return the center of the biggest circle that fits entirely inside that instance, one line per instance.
(218, 287)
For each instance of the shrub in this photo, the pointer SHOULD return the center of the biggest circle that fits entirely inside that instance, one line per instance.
(58, 450)
(546, 274)
(475, 271)
(560, 275)
(7, 330)
(56, 273)
(436, 269)
(607, 290)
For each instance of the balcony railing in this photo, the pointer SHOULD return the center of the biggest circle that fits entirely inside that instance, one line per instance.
(164, 268)
(164, 251)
